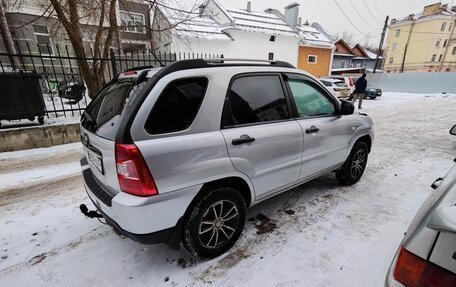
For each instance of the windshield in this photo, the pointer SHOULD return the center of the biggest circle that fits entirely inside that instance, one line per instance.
(341, 84)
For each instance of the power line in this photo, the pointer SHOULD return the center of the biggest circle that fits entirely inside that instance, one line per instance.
(379, 10)
(370, 12)
(348, 19)
(362, 18)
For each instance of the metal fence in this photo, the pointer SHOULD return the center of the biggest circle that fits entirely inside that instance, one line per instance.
(60, 74)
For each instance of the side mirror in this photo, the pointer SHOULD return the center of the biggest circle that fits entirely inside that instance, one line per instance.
(346, 108)
(453, 130)
(443, 219)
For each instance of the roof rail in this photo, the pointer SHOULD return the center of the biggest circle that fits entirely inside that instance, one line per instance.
(220, 62)
(139, 68)
(271, 62)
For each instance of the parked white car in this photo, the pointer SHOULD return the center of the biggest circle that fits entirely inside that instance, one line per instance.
(337, 87)
(350, 81)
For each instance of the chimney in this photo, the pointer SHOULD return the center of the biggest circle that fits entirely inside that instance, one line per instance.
(445, 7)
(393, 21)
(411, 17)
(291, 14)
(299, 21)
(307, 23)
(201, 10)
(249, 7)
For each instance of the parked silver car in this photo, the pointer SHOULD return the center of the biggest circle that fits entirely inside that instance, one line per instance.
(427, 255)
(177, 154)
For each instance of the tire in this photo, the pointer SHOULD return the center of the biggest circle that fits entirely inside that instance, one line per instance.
(373, 97)
(353, 168)
(31, 119)
(205, 234)
(41, 120)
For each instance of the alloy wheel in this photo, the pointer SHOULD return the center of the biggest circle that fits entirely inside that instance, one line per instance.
(218, 224)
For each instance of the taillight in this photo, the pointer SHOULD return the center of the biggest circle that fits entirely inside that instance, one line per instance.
(337, 90)
(413, 271)
(351, 81)
(132, 171)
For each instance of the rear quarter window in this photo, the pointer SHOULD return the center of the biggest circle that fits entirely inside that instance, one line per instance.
(177, 106)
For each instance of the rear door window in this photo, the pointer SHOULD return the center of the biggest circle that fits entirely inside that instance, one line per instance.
(177, 106)
(255, 99)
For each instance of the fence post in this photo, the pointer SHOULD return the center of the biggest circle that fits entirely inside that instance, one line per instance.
(112, 57)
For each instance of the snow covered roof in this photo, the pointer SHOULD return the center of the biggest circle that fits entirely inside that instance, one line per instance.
(260, 22)
(191, 25)
(312, 36)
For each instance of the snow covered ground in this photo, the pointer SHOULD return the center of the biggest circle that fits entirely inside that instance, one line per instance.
(323, 234)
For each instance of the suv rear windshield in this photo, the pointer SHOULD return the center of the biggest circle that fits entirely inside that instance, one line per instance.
(340, 84)
(108, 105)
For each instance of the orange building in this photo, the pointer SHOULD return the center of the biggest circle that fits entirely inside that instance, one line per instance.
(315, 50)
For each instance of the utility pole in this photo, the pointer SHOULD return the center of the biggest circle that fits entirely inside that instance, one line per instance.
(7, 38)
(380, 47)
(406, 46)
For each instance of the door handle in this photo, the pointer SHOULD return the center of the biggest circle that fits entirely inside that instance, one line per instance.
(312, 129)
(243, 139)
(436, 183)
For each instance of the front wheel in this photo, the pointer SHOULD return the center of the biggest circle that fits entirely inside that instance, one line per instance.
(215, 223)
(373, 97)
(353, 168)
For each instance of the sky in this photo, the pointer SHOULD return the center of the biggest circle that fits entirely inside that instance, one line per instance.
(327, 13)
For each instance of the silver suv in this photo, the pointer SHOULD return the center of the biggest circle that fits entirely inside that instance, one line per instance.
(177, 154)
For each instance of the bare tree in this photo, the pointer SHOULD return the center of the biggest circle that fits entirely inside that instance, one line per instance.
(345, 35)
(6, 35)
(70, 16)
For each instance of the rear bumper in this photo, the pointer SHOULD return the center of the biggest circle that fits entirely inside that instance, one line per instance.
(169, 235)
(390, 281)
(146, 220)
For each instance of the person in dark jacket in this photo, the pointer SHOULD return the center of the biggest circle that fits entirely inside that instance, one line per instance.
(360, 89)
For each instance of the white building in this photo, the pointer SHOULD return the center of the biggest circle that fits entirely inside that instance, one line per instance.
(235, 33)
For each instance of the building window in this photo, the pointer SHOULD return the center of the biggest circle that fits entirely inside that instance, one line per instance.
(437, 44)
(454, 51)
(433, 58)
(358, 65)
(271, 56)
(449, 28)
(398, 32)
(443, 26)
(351, 65)
(440, 58)
(312, 59)
(342, 65)
(43, 40)
(445, 43)
(132, 22)
(394, 47)
(391, 60)
(272, 39)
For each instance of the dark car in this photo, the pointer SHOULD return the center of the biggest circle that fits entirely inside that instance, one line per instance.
(372, 92)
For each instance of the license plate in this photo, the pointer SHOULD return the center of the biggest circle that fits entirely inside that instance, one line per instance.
(96, 160)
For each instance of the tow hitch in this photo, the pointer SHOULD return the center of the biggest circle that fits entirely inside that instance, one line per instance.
(90, 214)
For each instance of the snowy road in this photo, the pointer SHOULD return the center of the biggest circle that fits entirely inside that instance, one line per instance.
(324, 234)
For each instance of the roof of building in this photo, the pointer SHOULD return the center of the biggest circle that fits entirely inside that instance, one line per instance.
(191, 25)
(312, 36)
(270, 22)
(260, 22)
(422, 15)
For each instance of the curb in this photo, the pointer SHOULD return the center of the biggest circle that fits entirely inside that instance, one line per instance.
(36, 137)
